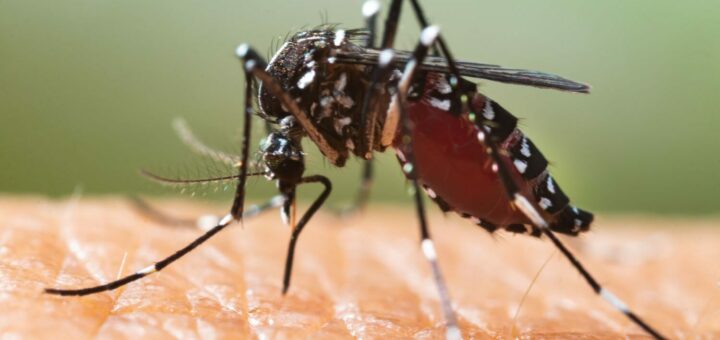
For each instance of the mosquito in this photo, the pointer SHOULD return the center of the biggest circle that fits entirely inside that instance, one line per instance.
(352, 97)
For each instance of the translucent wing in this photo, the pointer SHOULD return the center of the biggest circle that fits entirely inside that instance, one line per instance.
(469, 69)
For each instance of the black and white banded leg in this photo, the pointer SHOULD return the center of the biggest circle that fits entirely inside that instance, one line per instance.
(427, 38)
(251, 60)
(391, 25)
(158, 266)
(533, 214)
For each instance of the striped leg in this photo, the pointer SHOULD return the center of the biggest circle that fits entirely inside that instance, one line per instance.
(501, 163)
(158, 266)
(391, 25)
(224, 222)
(236, 212)
(238, 203)
(427, 38)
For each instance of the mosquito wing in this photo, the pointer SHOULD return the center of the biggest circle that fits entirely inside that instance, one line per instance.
(469, 69)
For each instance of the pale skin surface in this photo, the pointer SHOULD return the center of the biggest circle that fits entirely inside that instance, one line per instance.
(362, 276)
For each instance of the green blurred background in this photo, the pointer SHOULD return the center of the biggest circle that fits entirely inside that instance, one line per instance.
(88, 90)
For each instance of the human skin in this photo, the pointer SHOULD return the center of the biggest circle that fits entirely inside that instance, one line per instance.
(359, 276)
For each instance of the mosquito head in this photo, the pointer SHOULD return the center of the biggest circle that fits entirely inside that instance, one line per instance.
(282, 154)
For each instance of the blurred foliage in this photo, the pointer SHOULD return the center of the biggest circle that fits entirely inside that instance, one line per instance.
(88, 89)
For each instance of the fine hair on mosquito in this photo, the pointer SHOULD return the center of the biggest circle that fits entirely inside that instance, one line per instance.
(215, 164)
(352, 94)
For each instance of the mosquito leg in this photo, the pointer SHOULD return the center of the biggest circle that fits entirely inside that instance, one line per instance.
(391, 24)
(301, 224)
(287, 211)
(236, 212)
(238, 203)
(370, 11)
(532, 213)
(255, 66)
(427, 38)
(454, 78)
(366, 182)
(158, 266)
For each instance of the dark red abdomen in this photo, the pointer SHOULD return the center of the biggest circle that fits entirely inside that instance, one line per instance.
(453, 164)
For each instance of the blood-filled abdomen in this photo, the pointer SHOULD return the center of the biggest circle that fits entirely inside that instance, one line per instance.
(452, 164)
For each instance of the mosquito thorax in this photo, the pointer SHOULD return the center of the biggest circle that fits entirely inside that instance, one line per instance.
(331, 93)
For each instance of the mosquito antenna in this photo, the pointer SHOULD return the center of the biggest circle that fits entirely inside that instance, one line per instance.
(171, 181)
(323, 17)
(270, 49)
(188, 138)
